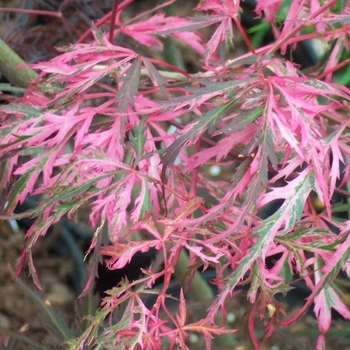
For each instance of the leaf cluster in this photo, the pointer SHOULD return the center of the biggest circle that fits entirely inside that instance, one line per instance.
(95, 130)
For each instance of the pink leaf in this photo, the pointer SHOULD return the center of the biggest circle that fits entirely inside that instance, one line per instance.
(122, 253)
(269, 7)
(324, 302)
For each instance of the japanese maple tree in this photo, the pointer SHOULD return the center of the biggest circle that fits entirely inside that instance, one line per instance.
(94, 130)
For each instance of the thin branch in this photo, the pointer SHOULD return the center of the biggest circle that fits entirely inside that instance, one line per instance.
(113, 17)
(32, 12)
(207, 141)
(9, 62)
(333, 69)
(332, 118)
(103, 20)
(342, 192)
(244, 35)
(194, 180)
(299, 27)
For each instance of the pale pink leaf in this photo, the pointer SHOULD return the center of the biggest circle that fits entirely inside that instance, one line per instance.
(121, 253)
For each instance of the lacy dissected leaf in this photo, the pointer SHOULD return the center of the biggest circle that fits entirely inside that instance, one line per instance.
(130, 85)
(269, 7)
(334, 57)
(294, 194)
(115, 204)
(13, 134)
(29, 112)
(83, 69)
(256, 176)
(329, 271)
(222, 148)
(142, 203)
(145, 31)
(330, 18)
(128, 332)
(12, 147)
(25, 184)
(226, 7)
(294, 115)
(45, 218)
(171, 226)
(197, 95)
(328, 298)
(156, 77)
(205, 257)
(241, 120)
(317, 238)
(227, 10)
(73, 191)
(226, 202)
(223, 33)
(334, 144)
(205, 327)
(186, 25)
(269, 282)
(208, 121)
(122, 253)
(138, 139)
(83, 81)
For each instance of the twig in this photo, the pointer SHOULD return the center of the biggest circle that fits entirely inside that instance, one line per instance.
(9, 62)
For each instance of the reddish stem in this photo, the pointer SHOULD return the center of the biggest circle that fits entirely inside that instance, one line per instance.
(316, 35)
(103, 20)
(251, 327)
(98, 24)
(32, 12)
(113, 17)
(244, 35)
(207, 141)
(333, 69)
(333, 118)
(166, 187)
(298, 28)
(165, 64)
(342, 192)
(148, 92)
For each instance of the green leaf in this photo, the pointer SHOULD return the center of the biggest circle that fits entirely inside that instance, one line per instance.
(70, 192)
(138, 139)
(242, 120)
(211, 90)
(129, 89)
(279, 223)
(20, 139)
(17, 189)
(258, 167)
(156, 78)
(29, 111)
(340, 207)
(146, 202)
(208, 121)
(98, 33)
(23, 186)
